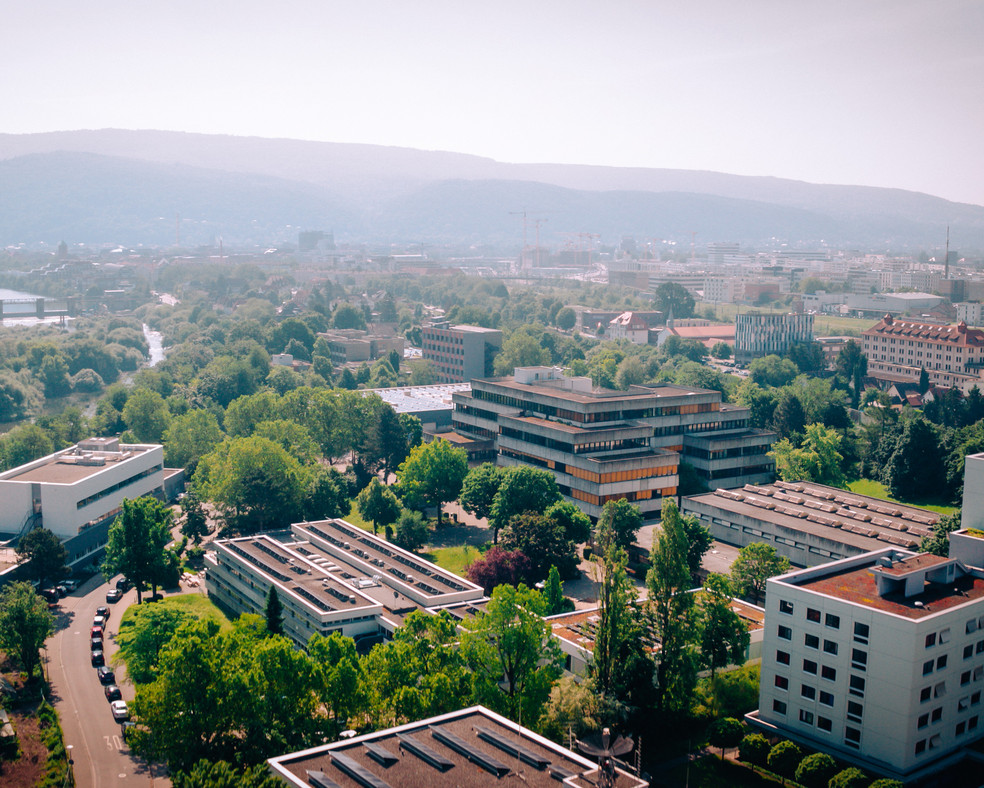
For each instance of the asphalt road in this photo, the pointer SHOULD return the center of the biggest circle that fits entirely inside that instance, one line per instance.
(102, 760)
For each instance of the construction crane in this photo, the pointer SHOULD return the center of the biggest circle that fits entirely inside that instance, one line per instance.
(524, 260)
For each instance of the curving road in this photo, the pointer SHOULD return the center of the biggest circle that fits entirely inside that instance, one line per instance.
(102, 759)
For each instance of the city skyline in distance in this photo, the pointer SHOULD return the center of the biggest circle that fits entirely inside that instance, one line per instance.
(879, 94)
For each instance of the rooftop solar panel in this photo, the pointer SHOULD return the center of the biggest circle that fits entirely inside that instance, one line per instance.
(425, 753)
(488, 762)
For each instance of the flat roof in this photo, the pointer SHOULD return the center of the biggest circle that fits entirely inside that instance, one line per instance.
(597, 395)
(859, 521)
(71, 466)
(414, 399)
(860, 586)
(471, 748)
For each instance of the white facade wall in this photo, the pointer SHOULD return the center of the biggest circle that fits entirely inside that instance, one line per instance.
(972, 508)
(971, 314)
(889, 691)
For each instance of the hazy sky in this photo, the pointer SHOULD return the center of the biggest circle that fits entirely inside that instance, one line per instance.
(874, 92)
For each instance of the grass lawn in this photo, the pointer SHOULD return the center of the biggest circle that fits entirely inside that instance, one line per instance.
(454, 559)
(197, 604)
(355, 519)
(712, 772)
(878, 490)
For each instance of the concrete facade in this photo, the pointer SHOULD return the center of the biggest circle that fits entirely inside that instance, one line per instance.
(460, 353)
(605, 445)
(758, 335)
(76, 492)
(878, 659)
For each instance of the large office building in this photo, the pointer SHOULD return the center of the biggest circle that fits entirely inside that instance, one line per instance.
(809, 523)
(330, 577)
(76, 493)
(879, 658)
(460, 353)
(604, 444)
(758, 335)
(898, 350)
(468, 748)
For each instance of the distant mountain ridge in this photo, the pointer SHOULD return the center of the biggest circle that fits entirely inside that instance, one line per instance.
(119, 186)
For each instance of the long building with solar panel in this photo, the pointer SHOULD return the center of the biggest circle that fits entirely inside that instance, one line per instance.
(331, 576)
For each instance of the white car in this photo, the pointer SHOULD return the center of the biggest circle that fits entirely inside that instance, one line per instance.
(120, 712)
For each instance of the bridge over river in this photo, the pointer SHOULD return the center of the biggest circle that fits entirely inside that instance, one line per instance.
(39, 307)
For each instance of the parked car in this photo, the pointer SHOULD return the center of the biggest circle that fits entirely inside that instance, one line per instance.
(50, 595)
(112, 692)
(106, 675)
(70, 585)
(62, 590)
(96, 632)
(96, 644)
(98, 659)
(99, 621)
(123, 584)
(120, 712)
(114, 595)
(103, 611)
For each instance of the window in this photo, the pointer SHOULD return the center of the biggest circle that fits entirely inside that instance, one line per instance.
(808, 692)
(824, 724)
(811, 641)
(809, 666)
(968, 651)
(832, 621)
(782, 657)
(785, 607)
(852, 737)
(964, 703)
(812, 614)
(925, 694)
(830, 647)
(930, 640)
(972, 723)
(806, 717)
(861, 632)
(828, 673)
(857, 686)
(826, 698)
(920, 747)
(927, 667)
(961, 727)
(922, 722)
(965, 678)
(980, 647)
(939, 690)
(937, 714)
(854, 711)
(945, 635)
(941, 662)
(785, 633)
(782, 682)
(975, 698)
(859, 659)
(779, 707)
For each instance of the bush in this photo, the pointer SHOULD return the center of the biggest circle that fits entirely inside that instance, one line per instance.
(87, 380)
(816, 770)
(886, 783)
(784, 758)
(853, 777)
(726, 732)
(754, 749)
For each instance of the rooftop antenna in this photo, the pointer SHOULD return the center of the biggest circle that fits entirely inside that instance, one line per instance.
(606, 755)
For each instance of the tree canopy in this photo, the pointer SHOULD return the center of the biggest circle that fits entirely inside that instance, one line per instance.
(25, 624)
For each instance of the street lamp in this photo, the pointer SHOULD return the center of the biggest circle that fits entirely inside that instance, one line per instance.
(69, 771)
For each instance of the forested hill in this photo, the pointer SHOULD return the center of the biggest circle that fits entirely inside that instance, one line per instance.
(127, 187)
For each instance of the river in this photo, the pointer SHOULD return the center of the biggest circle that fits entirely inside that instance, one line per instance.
(155, 342)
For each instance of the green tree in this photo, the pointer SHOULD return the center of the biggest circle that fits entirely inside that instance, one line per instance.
(411, 530)
(853, 365)
(815, 770)
(755, 564)
(615, 625)
(254, 482)
(433, 473)
(25, 624)
(852, 777)
(523, 489)
(479, 488)
(326, 495)
(754, 749)
(673, 299)
(725, 732)
(554, 594)
(137, 541)
(886, 783)
(699, 541)
(274, 612)
(222, 774)
(784, 758)
(565, 319)
(44, 554)
(195, 525)
(390, 439)
(143, 635)
(377, 503)
(146, 415)
(817, 460)
(721, 350)
(348, 316)
(938, 542)
(543, 541)
(54, 376)
(788, 418)
(340, 679)
(915, 468)
(576, 524)
(189, 437)
(510, 648)
(618, 524)
(723, 635)
(671, 610)
(520, 349)
(573, 708)
(772, 371)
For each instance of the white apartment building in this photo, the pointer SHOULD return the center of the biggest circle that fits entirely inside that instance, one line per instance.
(75, 493)
(878, 659)
(969, 313)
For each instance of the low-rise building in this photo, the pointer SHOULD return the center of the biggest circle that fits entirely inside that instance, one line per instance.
(431, 404)
(330, 577)
(471, 747)
(76, 493)
(629, 327)
(879, 659)
(604, 444)
(809, 523)
(352, 345)
(460, 353)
